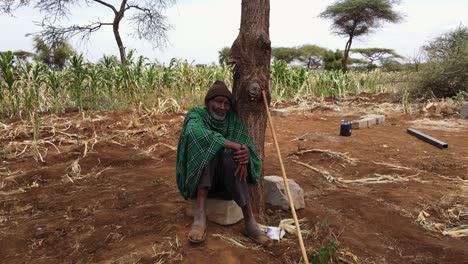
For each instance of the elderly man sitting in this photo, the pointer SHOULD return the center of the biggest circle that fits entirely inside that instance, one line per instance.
(217, 158)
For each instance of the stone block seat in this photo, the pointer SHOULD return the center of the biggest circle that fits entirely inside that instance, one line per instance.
(223, 212)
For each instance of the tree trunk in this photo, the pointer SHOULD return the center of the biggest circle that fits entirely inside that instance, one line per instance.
(115, 27)
(344, 63)
(251, 55)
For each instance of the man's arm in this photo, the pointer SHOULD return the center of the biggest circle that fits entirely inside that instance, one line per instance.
(232, 145)
(241, 152)
(241, 156)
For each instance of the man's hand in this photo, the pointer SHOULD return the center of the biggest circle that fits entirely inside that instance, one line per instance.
(241, 172)
(242, 155)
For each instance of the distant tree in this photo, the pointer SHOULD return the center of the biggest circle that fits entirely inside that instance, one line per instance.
(285, 54)
(415, 60)
(54, 55)
(146, 16)
(354, 18)
(311, 55)
(391, 64)
(223, 55)
(332, 60)
(376, 54)
(23, 55)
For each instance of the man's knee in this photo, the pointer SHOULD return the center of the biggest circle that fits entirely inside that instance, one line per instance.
(228, 161)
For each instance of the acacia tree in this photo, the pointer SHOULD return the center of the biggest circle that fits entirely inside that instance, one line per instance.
(374, 54)
(355, 18)
(250, 56)
(332, 60)
(147, 18)
(285, 54)
(223, 55)
(311, 55)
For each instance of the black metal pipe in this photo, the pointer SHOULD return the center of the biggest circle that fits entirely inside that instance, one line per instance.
(426, 138)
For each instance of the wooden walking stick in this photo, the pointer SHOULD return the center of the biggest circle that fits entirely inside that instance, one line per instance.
(285, 179)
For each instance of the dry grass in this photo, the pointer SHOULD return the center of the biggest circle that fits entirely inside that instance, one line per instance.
(236, 241)
(376, 179)
(443, 125)
(19, 140)
(167, 252)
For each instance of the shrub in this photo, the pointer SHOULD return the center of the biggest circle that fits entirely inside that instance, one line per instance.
(444, 74)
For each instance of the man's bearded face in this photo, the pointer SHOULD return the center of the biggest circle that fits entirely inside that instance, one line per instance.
(218, 107)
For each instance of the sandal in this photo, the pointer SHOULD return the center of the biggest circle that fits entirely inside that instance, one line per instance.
(259, 237)
(197, 231)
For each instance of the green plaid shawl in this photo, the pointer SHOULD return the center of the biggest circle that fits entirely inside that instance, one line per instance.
(201, 138)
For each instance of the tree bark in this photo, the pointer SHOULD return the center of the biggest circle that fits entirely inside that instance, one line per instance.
(250, 56)
(115, 27)
(344, 63)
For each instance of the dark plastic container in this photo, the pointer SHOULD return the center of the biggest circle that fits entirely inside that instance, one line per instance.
(345, 128)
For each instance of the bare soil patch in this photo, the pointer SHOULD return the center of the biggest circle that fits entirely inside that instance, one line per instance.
(105, 191)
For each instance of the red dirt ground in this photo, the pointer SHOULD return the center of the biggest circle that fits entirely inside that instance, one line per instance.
(109, 195)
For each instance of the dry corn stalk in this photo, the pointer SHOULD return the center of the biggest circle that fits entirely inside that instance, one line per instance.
(330, 153)
(325, 174)
(288, 226)
(422, 220)
(394, 166)
(459, 231)
(377, 179)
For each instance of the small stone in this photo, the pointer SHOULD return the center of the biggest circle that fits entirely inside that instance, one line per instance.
(275, 193)
(279, 112)
(223, 212)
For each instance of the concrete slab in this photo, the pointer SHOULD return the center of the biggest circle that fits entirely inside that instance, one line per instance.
(367, 121)
(370, 121)
(380, 119)
(359, 124)
(279, 112)
(223, 212)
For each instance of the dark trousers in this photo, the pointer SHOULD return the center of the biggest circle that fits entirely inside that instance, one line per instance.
(219, 178)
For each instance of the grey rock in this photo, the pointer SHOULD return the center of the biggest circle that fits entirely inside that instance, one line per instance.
(464, 110)
(275, 193)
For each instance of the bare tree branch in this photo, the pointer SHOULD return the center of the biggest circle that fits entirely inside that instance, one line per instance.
(52, 34)
(150, 24)
(107, 4)
(9, 6)
(146, 16)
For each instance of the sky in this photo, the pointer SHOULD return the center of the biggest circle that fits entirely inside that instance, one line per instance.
(203, 27)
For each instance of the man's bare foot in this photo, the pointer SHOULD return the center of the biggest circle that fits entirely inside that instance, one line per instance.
(254, 232)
